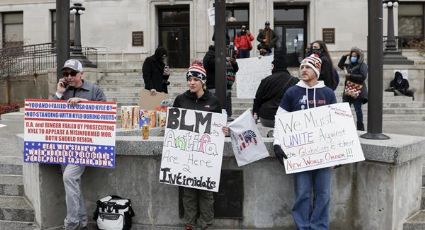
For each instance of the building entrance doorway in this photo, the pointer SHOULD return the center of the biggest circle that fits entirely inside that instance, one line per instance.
(290, 26)
(173, 23)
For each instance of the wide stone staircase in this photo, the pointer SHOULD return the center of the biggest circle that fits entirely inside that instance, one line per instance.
(123, 86)
(16, 212)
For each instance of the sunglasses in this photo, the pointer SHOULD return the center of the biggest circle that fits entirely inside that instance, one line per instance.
(71, 73)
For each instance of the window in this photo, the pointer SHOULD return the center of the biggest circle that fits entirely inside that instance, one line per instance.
(13, 29)
(410, 23)
(236, 16)
(71, 27)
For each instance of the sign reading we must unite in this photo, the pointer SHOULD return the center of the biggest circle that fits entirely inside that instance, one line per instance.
(318, 138)
(193, 149)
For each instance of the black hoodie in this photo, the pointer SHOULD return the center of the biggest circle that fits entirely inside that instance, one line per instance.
(153, 71)
(209, 65)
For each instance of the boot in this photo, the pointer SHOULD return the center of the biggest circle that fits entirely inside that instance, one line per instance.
(360, 126)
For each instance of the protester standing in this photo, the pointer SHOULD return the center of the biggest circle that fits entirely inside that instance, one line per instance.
(74, 89)
(271, 90)
(355, 80)
(312, 188)
(267, 38)
(209, 64)
(156, 73)
(232, 68)
(197, 202)
(243, 43)
(327, 73)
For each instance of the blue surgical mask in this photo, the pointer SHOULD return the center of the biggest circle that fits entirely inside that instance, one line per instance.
(353, 59)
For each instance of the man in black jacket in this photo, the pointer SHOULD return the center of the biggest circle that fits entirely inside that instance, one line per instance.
(271, 90)
(155, 72)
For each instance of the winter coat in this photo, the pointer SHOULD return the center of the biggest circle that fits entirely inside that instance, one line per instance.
(243, 41)
(153, 72)
(209, 65)
(399, 83)
(269, 44)
(358, 74)
(207, 102)
(326, 73)
(270, 92)
(231, 69)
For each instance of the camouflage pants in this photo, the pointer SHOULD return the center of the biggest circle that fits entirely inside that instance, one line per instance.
(198, 203)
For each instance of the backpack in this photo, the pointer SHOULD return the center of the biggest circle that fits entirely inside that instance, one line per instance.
(113, 213)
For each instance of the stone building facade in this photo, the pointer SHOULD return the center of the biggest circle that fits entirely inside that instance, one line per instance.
(182, 26)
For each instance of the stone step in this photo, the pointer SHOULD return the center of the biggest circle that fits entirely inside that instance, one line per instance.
(15, 208)
(11, 185)
(17, 225)
(10, 165)
(415, 222)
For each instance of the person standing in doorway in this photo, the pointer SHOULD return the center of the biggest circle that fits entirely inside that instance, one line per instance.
(198, 204)
(267, 38)
(74, 89)
(243, 42)
(356, 72)
(156, 73)
(312, 188)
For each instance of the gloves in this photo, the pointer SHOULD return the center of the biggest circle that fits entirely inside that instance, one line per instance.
(279, 153)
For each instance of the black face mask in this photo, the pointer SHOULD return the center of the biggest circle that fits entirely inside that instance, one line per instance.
(316, 51)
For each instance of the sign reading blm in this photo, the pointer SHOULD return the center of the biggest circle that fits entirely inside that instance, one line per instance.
(318, 138)
(56, 132)
(193, 149)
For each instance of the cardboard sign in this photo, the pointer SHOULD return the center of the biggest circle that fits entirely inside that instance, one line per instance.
(59, 133)
(149, 102)
(193, 149)
(318, 138)
(251, 72)
(247, 143)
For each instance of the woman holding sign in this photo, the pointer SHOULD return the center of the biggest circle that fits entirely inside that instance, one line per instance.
(197, 98)
(312, 188)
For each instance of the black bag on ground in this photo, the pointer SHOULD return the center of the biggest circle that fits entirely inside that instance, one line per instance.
(113, 213)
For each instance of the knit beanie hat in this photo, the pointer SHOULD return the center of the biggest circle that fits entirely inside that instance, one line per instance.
(314, 62)
(197, 70)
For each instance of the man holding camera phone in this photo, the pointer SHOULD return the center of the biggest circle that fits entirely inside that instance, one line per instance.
(74, 89)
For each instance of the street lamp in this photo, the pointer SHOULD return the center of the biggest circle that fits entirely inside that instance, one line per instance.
(391, 53)
(78, 9)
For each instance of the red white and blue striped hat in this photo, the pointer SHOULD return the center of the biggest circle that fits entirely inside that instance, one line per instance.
(197, 70)
(314, 62)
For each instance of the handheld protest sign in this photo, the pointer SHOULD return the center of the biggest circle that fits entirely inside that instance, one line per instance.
(56, 132)
(251, 72)
(193, 149)
(149, 102)
(247, 143)
(318, 138)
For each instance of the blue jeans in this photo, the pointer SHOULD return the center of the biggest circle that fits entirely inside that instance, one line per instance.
(243, 53)
(358, 108)
(312, 199)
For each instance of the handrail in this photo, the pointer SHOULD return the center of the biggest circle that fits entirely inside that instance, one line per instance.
(34, 59)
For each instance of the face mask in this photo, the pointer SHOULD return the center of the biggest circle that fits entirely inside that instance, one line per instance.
(316, 51)
(353, 59)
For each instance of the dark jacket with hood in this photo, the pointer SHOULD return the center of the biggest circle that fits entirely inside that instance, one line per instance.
(263, 34)
(207, 102)
(399, 83)
(271, 90)
(153, 71)
(209, 65)
(358, 74)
